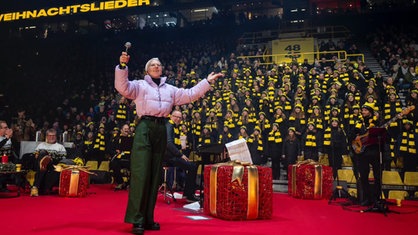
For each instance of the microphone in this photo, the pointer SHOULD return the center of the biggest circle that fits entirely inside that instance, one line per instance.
(127, 46)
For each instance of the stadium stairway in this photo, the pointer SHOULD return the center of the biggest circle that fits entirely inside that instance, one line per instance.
(373, 64)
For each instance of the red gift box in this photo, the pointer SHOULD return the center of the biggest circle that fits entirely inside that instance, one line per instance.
(310, 180)
(238, 192)
(4, 159)
(73, 183)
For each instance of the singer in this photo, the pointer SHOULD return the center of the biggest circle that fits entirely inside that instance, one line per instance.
(154, 99)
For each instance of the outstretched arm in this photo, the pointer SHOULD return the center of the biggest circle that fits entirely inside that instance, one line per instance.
(214, 76)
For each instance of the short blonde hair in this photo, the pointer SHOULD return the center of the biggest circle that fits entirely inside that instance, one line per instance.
(148, 64)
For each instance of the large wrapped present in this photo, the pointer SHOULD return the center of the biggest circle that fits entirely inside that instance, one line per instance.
(236, 191)
(310, 180)
(74, 182)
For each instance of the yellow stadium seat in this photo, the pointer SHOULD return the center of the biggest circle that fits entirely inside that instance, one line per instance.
(391, 178)
(397, 194)
(92, 165)
(397, 163)
(104, 166)
(411, 178)
(346, 175)
(195, 157)
(323, 160)
(347, 161)
(352, 192)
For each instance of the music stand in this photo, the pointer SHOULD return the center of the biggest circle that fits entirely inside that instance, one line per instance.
(205, 151)
(377, 135)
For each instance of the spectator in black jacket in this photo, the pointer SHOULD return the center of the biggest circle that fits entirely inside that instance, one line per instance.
(291, 149)
(335, 145)
(312, 143)
(175, 157)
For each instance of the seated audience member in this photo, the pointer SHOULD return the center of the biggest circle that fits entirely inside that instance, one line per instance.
(122, 153)
(47, 154)
(6, 148)
(175, 157)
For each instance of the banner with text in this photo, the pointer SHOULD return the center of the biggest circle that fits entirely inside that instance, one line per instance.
(72, 9)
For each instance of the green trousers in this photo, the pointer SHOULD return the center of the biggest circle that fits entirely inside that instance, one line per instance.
(148, 149)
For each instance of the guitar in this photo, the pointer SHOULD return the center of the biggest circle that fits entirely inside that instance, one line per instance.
(362, 141)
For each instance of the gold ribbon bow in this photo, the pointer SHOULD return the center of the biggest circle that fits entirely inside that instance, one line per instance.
(62, 167)
(307, 162)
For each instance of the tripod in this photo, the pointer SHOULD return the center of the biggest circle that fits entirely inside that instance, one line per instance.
(339, 191)
(380, 205)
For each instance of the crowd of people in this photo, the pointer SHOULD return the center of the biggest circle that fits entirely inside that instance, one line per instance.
(283, 110)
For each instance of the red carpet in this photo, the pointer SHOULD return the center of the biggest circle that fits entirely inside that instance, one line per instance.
(102, 212)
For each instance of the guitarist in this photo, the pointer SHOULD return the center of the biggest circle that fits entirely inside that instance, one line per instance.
(369, 156)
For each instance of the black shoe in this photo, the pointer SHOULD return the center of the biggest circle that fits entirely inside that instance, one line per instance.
(137, 229)
(153, 226)
(192, 199)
